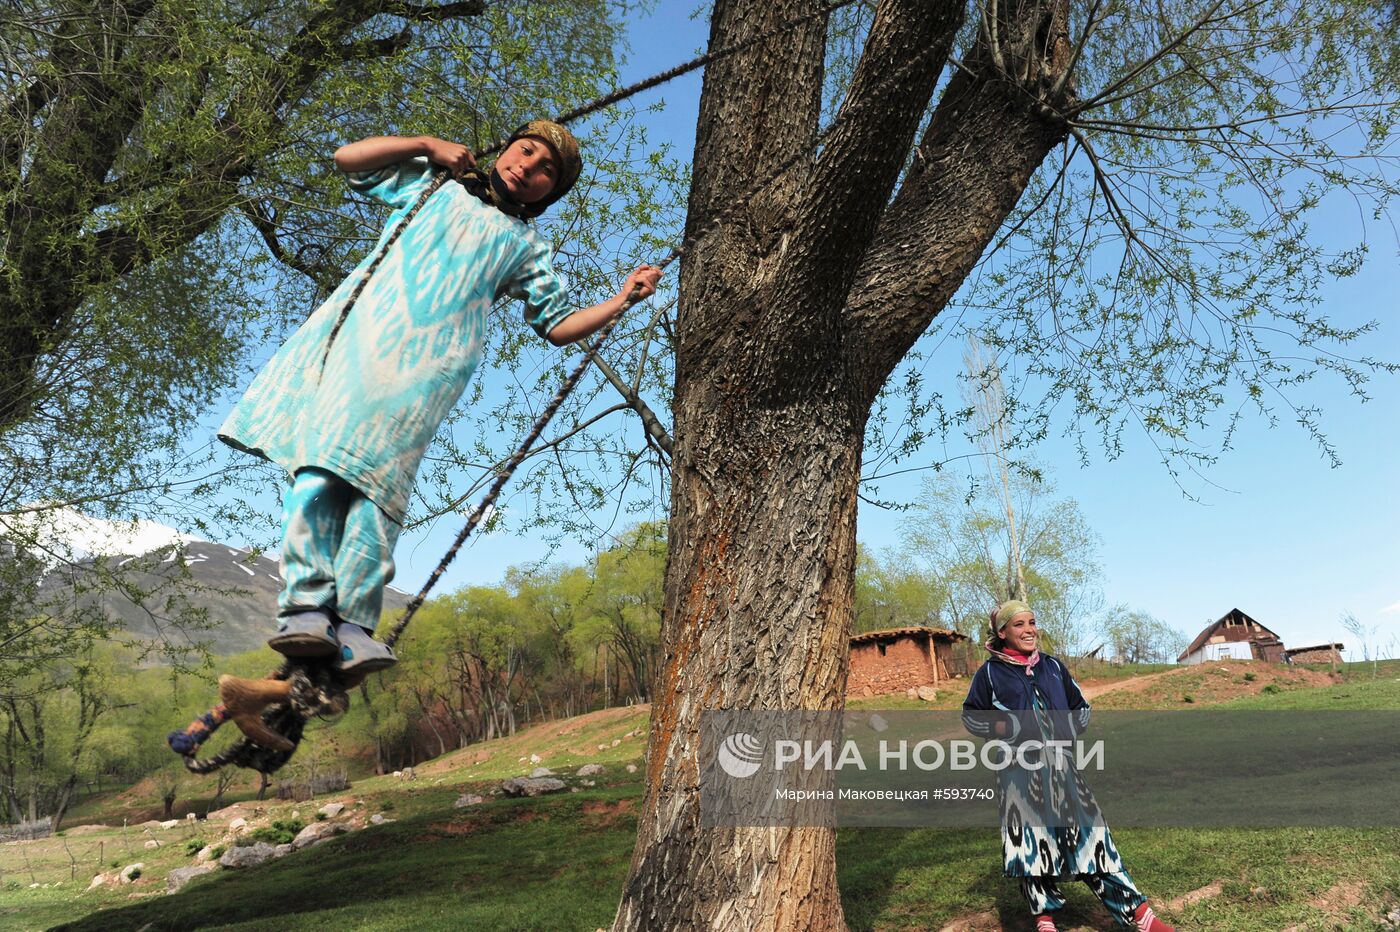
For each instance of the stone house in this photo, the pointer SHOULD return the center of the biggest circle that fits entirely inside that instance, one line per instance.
(1318, 653)
(899, 658)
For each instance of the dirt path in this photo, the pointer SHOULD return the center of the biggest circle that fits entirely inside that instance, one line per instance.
(1125, 684)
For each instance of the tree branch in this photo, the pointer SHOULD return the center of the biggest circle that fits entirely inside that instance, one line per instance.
(985, 140)
(865, 152)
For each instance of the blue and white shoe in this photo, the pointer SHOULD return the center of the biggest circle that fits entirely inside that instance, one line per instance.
(360, 653)
(310, 633)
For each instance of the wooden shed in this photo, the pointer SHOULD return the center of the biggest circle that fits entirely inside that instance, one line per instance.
(1235, 636)
(898, 658)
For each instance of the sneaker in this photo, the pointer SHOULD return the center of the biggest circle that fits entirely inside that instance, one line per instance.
(309, 633)
(1044, 923)
(360, 652)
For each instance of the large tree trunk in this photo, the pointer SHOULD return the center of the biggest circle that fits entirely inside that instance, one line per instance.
(793, 312)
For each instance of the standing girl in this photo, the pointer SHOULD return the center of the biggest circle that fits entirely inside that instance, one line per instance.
(1051, 828)
(349, 404)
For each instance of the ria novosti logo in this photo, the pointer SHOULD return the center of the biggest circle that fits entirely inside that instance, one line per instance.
(741, 755)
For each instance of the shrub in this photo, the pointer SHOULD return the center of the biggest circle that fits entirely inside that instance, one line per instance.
(1188, 698)
(280, 832)
(218, 852)
(1249, 677)
(1271, 688)
(194, 846)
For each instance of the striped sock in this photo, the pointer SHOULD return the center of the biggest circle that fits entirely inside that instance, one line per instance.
(1147, 921)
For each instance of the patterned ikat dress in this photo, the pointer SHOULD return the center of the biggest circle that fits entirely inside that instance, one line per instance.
(407, 349)
(1051, 825)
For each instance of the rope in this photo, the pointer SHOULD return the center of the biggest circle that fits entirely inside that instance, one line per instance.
(318, 688)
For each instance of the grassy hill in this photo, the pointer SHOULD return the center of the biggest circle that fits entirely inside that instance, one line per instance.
(557, 862)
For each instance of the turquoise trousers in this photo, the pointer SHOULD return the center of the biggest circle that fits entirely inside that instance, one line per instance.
(337, 549)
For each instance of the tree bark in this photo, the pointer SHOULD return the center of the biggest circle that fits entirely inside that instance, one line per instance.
(792, 315)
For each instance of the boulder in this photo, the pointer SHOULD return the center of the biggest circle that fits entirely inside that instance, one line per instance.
(927, 693)
(535, 759)
(204, 854)
(331, 810)
(541, 772)
(379, 819)
(532, 786)
(590, 770)
(616, 742)
(98, 881)
(180, 876)
(912, 692)
(171, 823)
(318, 832)
(131, 872)
(281, 851)
(631, 768)
(152, 844)
(248, 855)
(238, 825)
(468, 799)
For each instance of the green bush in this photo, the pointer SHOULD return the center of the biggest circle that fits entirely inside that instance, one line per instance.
(1271, 688)
(1249, 677)
(1188, 698)
(280, 832)
(194, 846)
(218, 852)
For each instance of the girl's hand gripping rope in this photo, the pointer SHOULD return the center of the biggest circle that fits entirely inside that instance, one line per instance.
(453, 156)
(642, 282)
(640, 285)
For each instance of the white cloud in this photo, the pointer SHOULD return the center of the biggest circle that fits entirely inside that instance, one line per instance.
(1392, 609)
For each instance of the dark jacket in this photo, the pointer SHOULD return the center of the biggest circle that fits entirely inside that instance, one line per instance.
(1000, 686)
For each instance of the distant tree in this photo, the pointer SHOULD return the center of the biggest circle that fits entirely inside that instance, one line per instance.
(1137, 637)
(892, 594)
(1365, 634)
(959, 535)
(621, 611)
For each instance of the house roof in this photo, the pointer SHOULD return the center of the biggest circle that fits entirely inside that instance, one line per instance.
(894, 633)
(1243, 628)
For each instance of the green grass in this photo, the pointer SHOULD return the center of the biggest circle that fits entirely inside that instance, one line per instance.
(558, 862)
(1353, 693)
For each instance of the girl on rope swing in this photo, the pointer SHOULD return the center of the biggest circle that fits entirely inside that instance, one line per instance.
(349, 414)
(1051, 828)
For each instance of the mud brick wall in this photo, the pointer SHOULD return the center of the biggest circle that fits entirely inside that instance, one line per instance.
(904, 663)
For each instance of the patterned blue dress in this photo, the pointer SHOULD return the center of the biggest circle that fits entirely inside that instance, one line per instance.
(409, 346)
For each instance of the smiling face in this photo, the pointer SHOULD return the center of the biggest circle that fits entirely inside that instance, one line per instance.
(1020, 632)
(529, 169)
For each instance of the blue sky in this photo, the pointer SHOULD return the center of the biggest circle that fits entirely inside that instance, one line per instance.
(1276, 531)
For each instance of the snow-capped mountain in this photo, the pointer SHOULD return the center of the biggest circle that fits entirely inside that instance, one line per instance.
(184, 577)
